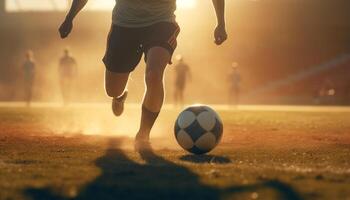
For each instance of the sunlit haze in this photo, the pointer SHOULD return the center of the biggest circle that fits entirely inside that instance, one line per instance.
(263, 35)
(44, 5)
(186, 4)
(174, 99)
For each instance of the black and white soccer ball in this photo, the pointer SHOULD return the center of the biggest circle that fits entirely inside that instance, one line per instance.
(198, 129)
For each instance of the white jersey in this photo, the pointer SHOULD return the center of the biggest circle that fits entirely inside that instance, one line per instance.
(141, 13)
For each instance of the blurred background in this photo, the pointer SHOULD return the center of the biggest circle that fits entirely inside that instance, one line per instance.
(284, 51)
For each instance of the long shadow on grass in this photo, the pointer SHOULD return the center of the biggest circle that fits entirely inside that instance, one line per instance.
(205, 159)
(158, 178)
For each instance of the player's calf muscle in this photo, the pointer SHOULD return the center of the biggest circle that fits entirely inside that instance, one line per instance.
(157, 61)
(154, 78)
(154, 90)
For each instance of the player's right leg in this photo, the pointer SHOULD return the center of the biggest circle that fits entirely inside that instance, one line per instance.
(115, 85)
(122, 56)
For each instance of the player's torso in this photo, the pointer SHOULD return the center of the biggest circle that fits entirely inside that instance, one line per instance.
(140, 13)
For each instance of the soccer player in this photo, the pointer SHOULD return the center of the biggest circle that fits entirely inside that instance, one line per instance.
(68, 72)
(141, 27)
(29, 75)
(182, 74)
(235, 84)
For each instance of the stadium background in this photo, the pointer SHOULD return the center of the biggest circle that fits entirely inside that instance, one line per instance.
(286, 50)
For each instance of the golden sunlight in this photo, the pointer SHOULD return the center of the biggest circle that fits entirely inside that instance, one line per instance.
(59, 5)
(186, 4)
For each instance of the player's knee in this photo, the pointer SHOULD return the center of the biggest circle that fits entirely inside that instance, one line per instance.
(154, 77)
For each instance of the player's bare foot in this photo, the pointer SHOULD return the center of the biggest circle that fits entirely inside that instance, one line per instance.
(142, 145)
(142, 142)
(118, 104)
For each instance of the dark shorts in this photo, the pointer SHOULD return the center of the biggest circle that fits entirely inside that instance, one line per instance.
(125, 46)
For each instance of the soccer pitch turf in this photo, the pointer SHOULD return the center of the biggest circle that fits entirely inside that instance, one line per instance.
(83, 152)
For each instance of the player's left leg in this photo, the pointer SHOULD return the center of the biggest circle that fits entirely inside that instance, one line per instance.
(157, 60)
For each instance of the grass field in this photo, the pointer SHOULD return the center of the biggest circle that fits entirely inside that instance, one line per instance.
(83, 152)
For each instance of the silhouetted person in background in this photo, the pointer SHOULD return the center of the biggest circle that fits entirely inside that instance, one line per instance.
(235, 84)
(29, 75)
(68, 72)
(182, 74)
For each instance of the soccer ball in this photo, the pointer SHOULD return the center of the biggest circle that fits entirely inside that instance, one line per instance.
(198, 129)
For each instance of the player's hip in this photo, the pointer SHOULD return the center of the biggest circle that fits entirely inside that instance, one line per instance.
(125, 45)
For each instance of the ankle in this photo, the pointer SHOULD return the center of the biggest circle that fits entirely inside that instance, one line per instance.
(142, 135)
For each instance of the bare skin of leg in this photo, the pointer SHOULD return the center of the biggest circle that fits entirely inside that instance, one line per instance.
(157, 60)
(115, 83)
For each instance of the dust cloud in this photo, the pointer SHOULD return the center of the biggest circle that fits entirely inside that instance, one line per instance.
(265, 40)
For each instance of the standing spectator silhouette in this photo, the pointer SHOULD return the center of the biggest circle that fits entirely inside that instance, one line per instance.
(234, 79)
(182, 74)
(68, 72)
(29, 75)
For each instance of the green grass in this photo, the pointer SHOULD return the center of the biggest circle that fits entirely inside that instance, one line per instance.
(84, 153)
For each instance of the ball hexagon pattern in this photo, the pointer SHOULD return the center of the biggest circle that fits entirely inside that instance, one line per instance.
(198, 129)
